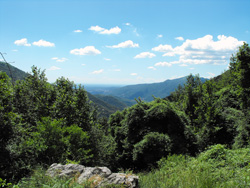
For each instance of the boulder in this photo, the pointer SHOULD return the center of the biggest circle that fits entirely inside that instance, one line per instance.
(98, 176)
(68, 171)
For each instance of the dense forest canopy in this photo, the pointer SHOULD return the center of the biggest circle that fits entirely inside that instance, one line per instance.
(43, 123)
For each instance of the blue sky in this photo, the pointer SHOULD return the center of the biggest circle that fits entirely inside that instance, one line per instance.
(123, 41)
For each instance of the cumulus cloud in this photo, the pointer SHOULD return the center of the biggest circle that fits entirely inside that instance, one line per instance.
(179, 38)
(163, 64)
(88, 50)
(97, 71)
(126, 44)
(152, 68)
(159, 36)
(54, 68)
(203, 50)
(100, 30)
(22, 42)
(133, 74)
(163, 48)
(145, 55)
(59, 59)
(43, 43)
(78, 31)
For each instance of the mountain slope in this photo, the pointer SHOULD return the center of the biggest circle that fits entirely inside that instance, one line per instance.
(16, 73)
(147, 91)
(104, 109)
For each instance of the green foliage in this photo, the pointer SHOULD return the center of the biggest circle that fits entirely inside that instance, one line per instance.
(150, 149)
(216, 167)
(130, 127)
(4, 184)
(240, 69)
(7, 120)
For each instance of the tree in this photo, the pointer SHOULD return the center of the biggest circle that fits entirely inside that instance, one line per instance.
(240, 68)
(33, 97)
(7, 122)
(151, 149)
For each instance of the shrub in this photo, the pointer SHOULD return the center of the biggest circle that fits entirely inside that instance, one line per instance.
(152, 148)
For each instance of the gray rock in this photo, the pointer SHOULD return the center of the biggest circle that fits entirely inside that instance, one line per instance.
(123, 179)
(89, 172)
(68, 171)
(98, 176)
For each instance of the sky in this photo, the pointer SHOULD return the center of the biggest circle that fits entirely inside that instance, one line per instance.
(122, 42)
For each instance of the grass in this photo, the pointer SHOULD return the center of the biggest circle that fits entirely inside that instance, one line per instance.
(215, 167)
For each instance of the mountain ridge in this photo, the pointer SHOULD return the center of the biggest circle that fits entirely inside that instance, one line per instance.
(147, 92)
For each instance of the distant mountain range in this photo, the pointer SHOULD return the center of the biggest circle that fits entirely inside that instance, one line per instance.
(110, 99)
(146, 92)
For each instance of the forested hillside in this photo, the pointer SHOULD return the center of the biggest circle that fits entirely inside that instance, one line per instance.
(12, 71)
(147, 92)
(44, 123)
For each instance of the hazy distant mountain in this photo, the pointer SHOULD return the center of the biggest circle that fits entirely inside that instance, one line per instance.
(147, 91)
(104, 109)
(16, 73)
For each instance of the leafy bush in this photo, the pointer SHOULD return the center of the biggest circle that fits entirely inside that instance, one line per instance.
(150, 149)
(216, 167)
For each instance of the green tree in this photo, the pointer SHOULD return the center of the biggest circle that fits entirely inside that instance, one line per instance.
(72, 104)
(151, 149)
(7, 122)
(33, 97)
(240, 68)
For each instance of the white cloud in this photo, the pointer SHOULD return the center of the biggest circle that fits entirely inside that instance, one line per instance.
(127, 24)
(183, 65)
(126, 44)
(179, 38)
(54, 68)
(163, 64)
(159, 36)
(100, 30)
(169, 54)
(163, 48)
(14, 50)
(114, 30)
(88, 50)
(78, 31)
(22, 42)
(59, 59)
(145, 55)
(43, 43)
(83, 64)
(152, 68)
(175, 77)
(96, 28)
(133, 74)
(107, 59)
(97, 71)
(136, 33)
(117, 70)
(204, 50)
(211, 75)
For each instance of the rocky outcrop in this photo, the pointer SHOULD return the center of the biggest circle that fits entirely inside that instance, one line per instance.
(98, 176)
